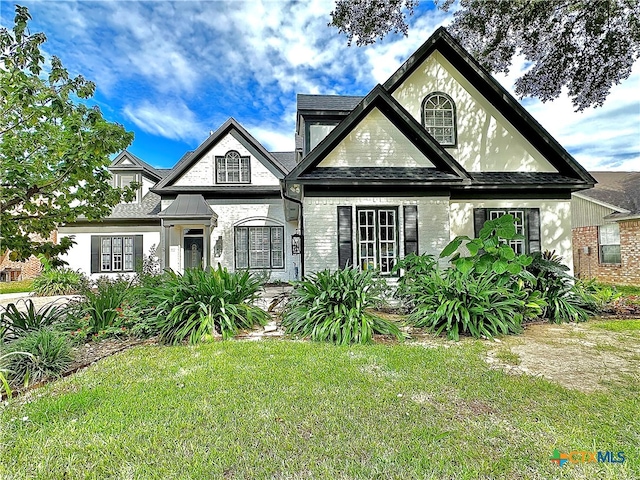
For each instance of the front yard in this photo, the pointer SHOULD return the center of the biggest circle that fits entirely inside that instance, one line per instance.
(286, 409)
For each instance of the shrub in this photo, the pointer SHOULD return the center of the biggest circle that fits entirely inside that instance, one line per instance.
(476, 304)
(5, 371)
(566, 300)
(59, 281)
(414, 267)
(16, 322)
(200, 303)
(102, 303)
(335, 307)
(49, 355)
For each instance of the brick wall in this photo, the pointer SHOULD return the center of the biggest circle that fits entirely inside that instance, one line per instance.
(587, 265)
(30, 268)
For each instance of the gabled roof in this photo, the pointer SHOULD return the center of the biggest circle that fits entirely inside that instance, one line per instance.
(413, 131)
(619, 190)
(128, 161)
(286, 159)
(233, 128)
(499, 97)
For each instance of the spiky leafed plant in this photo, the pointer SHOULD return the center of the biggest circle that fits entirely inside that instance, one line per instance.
(17, 319)
(200, 303)
(336, 307)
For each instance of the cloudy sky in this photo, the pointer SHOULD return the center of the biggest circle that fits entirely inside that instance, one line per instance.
(173, 71)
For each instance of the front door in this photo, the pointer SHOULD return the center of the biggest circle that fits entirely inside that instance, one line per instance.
(193, 252)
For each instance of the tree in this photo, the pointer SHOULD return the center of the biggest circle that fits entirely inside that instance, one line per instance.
(586, 46)
(54, 149)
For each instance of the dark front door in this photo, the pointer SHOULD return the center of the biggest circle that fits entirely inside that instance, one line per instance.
(193, 252)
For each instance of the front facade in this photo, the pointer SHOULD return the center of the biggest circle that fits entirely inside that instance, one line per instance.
(606, 229)
(431, 154)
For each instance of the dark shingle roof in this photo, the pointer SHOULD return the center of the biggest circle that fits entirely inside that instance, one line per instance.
(620, 189)
(419, 174)
(338, 103)
(286, 159)
(521, 178)
(148, 208)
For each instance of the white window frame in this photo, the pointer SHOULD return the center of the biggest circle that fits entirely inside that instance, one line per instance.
(377, 238)
(609, 239)
(439, 118)
(519, 246)
(250, 254)
(233, 164)
(117, 254)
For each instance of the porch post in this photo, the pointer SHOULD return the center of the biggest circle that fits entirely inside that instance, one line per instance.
(166, 240)
(206, 247)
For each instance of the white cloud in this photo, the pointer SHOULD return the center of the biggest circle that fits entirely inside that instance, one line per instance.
(174, 121)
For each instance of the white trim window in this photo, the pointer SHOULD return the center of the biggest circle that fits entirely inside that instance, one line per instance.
(377, 239)
(116, 254)
(439, 118)
(518, 246)
(233, 168)
(609, 243)
(259, 247)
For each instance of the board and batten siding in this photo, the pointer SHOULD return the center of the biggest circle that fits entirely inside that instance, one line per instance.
(375, 142)
(321, 226)
(203, 172)
(555, 222)
(585, 213)
(487, 142)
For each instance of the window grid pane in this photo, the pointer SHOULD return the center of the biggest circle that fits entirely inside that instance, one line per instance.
(128, 253)
(387, 228)
(366, 225)
(439, 119)
(259, 247)
(106, 253)
(116, 243)
(232, 168)
(609, 236)
(277, 247)
(242, 247)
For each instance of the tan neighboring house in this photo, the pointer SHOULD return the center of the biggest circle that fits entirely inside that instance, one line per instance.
(606, 229)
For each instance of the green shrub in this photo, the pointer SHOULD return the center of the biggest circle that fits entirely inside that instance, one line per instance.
(49, 355)
(5, 371)
(335, 307)
(413, 267)
(102, 303)
(59, 281)
(567, 301)
(200, 303)
(456, 303)
(16, 321)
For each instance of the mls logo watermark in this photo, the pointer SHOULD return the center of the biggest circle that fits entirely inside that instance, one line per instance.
(582, 456)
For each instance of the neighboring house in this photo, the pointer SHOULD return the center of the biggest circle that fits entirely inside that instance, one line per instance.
(606, 229)
(431, 154)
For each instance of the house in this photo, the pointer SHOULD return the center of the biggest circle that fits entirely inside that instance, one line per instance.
(431, 154)
(605, 225)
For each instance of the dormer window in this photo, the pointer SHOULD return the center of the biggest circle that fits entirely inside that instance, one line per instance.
(439, 118)
(123, 180)
(233, 168)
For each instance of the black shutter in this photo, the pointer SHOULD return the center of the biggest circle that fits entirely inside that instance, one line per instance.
(533, 229)
(479, 217)
(95, 254)
(345, 242)
(410, 229)
(137, 252)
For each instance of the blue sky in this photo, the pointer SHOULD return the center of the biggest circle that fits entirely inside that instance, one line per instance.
(173, 71)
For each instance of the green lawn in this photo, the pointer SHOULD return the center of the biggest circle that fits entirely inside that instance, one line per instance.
(16, 287)
(284, 409)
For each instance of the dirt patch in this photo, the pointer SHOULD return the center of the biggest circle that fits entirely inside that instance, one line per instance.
(577, 356)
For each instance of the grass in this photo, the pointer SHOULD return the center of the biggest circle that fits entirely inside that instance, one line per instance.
(628, 289)
(618, 325)
(508, 357)
(282, 409)
(19, 286)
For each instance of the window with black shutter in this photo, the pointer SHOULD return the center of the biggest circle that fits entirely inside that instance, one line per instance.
(527, 222)
(116, 253)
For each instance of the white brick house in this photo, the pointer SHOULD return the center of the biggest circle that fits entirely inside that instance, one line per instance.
(431, 154)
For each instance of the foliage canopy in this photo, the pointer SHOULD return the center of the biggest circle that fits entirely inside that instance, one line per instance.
(54, 148)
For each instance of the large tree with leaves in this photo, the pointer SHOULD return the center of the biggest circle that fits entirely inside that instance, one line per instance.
(54, 148)
(586, 46)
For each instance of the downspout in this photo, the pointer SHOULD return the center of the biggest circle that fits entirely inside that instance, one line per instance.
(301, 225)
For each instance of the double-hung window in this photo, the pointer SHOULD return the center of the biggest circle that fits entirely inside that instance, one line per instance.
(609, 243)
(117, 254)
(377, 239)
(233, 168)
(259, 247)
(439, 118)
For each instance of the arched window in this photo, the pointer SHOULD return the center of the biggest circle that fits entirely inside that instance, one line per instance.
(233, 168)
(439, 117)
